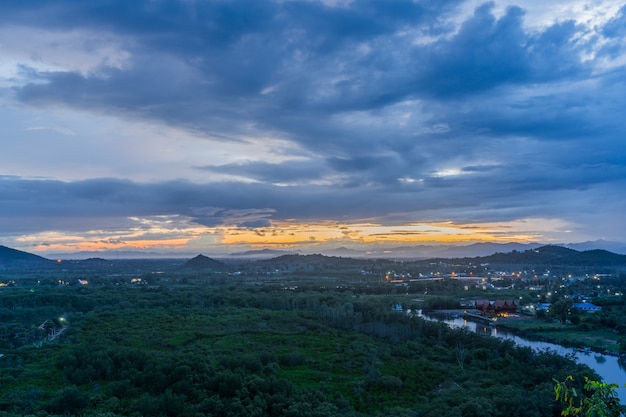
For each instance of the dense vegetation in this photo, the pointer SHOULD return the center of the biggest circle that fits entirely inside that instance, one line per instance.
(200, 348)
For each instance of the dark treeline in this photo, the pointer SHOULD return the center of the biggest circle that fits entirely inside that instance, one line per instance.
(255, 351)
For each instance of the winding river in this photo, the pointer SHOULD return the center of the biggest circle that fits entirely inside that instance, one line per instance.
(607, 366)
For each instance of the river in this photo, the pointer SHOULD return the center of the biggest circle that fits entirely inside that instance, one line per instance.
(607, 366)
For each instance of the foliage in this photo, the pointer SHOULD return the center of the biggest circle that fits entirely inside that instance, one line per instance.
(597, 399)
(203, 348)
(441, 303)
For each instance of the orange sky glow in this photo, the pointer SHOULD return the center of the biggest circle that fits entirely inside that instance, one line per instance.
(290, 235)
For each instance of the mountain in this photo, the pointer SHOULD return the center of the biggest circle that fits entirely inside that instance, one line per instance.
(10, 256)
(261, 253)
(343, 251)
(615, 247)
(557, 255)
(484, 249)
(204, 262)
(477, 250)
(120, 254)
(433, 251)
(413, 252)
(312, 263)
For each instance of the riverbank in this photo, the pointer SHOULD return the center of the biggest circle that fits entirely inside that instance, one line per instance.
(569, 335)
(564, 334)
(607, 365)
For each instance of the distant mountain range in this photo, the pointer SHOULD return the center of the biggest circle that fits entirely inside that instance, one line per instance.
(8, 255)
(615, 247)
(120, 254)
(269, 261)
(463, 251)
(261, 253)
(468, 251)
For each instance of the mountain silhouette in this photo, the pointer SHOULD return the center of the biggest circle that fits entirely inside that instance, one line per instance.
(9, 256)
(558, 255)
(204, 262)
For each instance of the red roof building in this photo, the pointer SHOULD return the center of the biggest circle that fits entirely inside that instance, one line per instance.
(482, 305)
(496, 307)
(504, 306)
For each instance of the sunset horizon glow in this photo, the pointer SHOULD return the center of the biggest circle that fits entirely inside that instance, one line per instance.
(290, 236)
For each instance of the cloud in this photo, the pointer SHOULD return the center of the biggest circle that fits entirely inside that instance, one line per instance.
(213, 61)
(388, 111)
(61, 130)
(616, 28)
(288, 172)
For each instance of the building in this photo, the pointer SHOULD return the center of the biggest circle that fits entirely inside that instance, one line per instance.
(587, 307)
(498, 307)
(505, 307)
(482, 305)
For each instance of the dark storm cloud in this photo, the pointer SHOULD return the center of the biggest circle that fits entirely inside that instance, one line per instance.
(204, 65)
(227, 51)
(485, 53)
(385, 98)
(489, 52)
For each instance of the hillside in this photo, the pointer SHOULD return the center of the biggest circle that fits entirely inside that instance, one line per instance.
(311, 262)
(557, 255)
(544, 255)
(204, 262)
(9, 256)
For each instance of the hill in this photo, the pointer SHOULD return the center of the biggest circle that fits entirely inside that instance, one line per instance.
(315, 263)
(9, 256)
(557, 255)
(204, 262)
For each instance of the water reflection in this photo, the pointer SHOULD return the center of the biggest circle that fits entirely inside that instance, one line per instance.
(608, 367)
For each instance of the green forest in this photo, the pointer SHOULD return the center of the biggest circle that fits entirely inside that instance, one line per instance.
(209, 348)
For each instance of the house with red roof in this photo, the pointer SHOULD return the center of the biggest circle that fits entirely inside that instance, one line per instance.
(498, 307)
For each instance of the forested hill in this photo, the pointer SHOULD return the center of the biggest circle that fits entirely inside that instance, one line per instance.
(550, 255)
(204, 262)
(10, 256)
(556, 255)
(315, 263)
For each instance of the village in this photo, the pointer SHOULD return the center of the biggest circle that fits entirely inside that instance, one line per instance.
(508, 308)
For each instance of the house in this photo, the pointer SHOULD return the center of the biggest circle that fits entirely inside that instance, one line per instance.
(587, 307)
(505, 307)
(544, 307)
(482, 305)
(496, 307)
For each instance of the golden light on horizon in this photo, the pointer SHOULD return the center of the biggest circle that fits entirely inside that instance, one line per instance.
(285, 234)
(292, 234)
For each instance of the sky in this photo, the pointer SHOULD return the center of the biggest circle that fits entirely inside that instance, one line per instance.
(213, 126)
